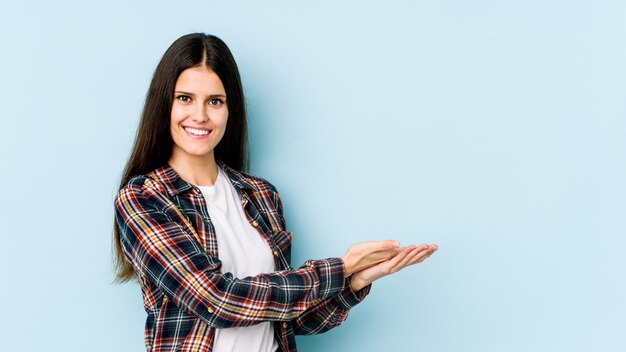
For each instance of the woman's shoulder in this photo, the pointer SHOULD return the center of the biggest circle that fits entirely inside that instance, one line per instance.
(134, 185)
(151, 185)
(134, 191)
(141, 184)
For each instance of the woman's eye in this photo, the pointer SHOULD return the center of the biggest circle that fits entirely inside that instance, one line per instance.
(215, 102)
(184, 98)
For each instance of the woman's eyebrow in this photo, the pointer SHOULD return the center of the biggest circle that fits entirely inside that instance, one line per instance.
(191, 94)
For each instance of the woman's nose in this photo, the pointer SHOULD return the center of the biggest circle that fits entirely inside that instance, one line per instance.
(200, 115)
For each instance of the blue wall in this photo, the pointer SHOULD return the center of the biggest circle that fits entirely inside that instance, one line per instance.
(493, 128)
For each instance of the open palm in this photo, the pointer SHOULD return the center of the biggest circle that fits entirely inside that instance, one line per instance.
(407, 256)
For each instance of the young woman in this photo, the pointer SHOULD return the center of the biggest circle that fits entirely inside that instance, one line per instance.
(206, 240)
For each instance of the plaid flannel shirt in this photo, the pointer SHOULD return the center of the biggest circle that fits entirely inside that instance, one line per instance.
(167, 236)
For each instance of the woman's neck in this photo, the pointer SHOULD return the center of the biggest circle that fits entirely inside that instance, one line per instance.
(200, 171)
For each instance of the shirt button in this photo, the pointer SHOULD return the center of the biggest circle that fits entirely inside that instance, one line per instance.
(255, 223)
(284, 325)
(210, 310)
(276, 253)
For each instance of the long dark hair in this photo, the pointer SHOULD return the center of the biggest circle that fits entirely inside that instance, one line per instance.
(153, 142)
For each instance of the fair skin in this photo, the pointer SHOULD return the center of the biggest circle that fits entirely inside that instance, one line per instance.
(198, 121)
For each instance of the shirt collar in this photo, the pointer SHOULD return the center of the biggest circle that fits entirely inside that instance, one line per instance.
(174, 184)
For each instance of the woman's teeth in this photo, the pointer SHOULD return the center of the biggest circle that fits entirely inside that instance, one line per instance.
(196, 132)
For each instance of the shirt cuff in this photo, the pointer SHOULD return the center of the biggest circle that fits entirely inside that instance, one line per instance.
(331, 276)
(348, 298)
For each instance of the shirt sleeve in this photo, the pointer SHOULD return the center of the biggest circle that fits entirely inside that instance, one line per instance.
(329, 313)
(166, 254)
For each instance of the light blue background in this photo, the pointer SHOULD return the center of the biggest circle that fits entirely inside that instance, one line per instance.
(493, 128)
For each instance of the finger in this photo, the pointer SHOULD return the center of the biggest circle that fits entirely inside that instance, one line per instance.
(417, 256)
(382, 256)
(423, 247)
(376, 258)
(384, 268)
(419, 249)
(423, 256)
(398, 258)
(379, 257)
(431, 253)
(407, 260)
(377, 248)
(433, 248)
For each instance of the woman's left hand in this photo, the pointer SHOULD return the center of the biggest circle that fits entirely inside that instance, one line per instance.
(407, 256)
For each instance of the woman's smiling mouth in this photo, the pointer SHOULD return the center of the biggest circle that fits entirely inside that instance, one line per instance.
(197, 132)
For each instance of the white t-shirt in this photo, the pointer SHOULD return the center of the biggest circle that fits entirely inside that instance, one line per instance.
(243, 252)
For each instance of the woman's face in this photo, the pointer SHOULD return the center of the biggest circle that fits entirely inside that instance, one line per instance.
(199, 113)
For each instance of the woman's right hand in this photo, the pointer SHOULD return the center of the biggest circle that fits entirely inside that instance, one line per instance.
(407, 256)
(363, 255)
